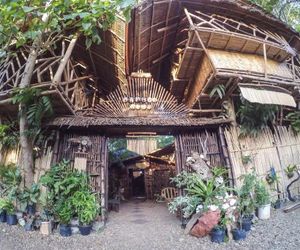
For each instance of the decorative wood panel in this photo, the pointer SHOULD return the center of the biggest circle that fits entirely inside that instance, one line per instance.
(94, 149)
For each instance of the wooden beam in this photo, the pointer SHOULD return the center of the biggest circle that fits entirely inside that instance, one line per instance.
(64, 60)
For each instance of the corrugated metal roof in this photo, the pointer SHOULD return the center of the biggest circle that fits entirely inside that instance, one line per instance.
(267, 96)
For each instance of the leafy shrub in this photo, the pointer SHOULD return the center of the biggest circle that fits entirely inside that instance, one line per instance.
(86, 206)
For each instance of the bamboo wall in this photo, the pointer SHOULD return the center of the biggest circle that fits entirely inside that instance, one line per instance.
(42, 163)
(267, 150)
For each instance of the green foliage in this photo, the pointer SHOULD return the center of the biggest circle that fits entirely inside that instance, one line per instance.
(65, 212)
(290, 170)
(10, 177)
(246, 194)
(188, 205)
(254, 117)
(86, 206)
(10, 208)
(286, 10)
(262, 195)
(30, 196)
(8, 136)
(246, 159)
(163, 141)
(38, 106)
(294, 117)
(219, 91)
(4, 204)
(62, 183)
(21, 21)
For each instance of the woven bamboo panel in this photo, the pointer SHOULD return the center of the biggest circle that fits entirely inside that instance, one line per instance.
(247, 62)
(268, 150)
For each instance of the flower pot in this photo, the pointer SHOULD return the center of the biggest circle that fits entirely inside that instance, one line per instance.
(239, 234)
(11, 219)
(217, 235)
(46, 227)
(264, 212)
(65, 230)
(278, 204)
(246, 224)
(31, 209)
(85, 230)
(28, 227)
(184, 222)
(3, 216)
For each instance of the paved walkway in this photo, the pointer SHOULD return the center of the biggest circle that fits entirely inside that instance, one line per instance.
(149, 226)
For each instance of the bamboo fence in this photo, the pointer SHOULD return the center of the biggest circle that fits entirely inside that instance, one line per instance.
(269, 149)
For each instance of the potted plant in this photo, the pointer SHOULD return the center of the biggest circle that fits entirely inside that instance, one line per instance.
(46, 223)
(263, 200)
(3, 207)
(29, 198)
(246, 201)
(65, 214)
(238, 234)
(218, 232)
(11, 218)
(290, 170)
(87, 208)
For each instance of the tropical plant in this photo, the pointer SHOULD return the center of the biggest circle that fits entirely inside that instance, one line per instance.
(246, 194)
(246, 159)
(65, 212)
(294, 118)
(272, 176)
(10, 181)
(62, 182)
(4, 203)
(219, 91)
(38, 107)
(290, 170)
(262, 195)
(86, 206)
(187, 204)
(254, 117)
(8, 136)
(10, 208)
(30, 196)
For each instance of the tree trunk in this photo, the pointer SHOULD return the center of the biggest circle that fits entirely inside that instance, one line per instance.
(27, 164)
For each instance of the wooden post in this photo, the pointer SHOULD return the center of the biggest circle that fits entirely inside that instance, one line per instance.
(64, 60)
(265, 60)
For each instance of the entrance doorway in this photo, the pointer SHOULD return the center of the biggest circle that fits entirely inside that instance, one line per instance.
(140, 166)
(138, 182)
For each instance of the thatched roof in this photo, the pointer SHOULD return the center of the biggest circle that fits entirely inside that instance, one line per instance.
(155, 26)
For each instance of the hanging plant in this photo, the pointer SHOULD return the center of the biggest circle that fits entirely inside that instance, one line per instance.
(294, 118)
(272, 176)
(290, 170)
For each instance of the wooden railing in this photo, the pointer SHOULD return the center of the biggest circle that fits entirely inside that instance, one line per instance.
(71, 87)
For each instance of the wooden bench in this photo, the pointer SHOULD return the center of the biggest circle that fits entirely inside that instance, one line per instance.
(169, 193)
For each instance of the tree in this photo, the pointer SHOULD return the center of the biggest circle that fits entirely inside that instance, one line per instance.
(286, 10)
(36, 25)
